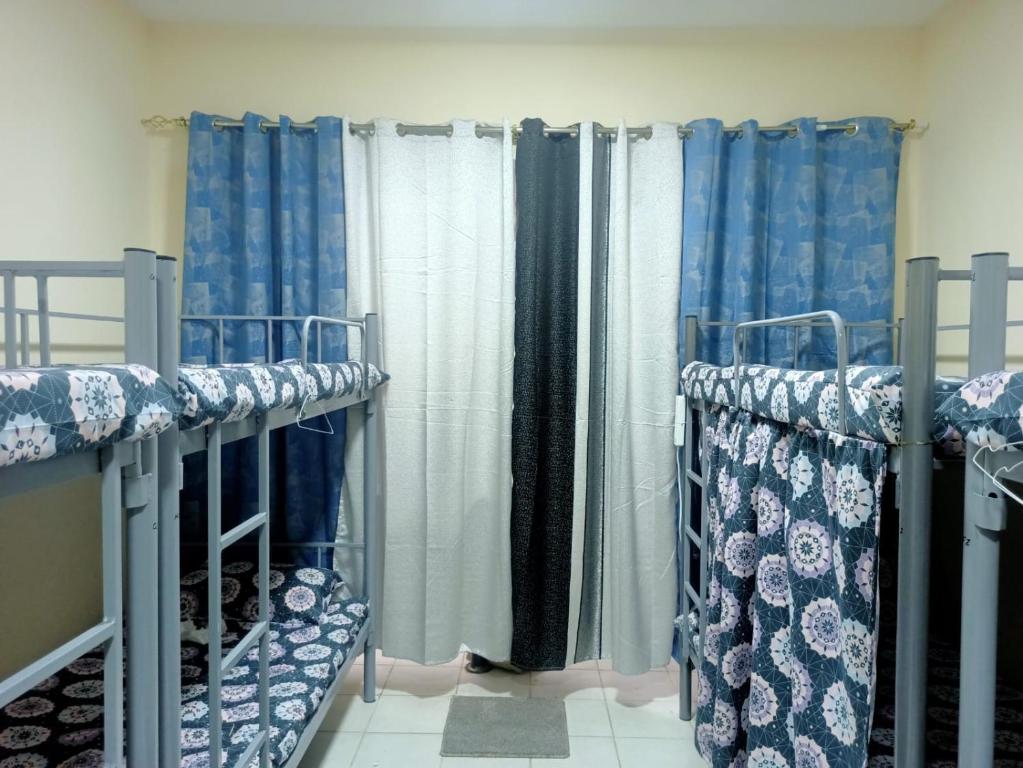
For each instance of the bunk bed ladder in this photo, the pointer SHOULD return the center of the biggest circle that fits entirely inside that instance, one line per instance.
(220, 664)
(693, 539)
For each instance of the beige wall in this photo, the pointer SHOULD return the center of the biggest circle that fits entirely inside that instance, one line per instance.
(971, 165)
(73, 184)
(733, 75)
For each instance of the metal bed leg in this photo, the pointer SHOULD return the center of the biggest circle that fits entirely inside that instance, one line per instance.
(915, 513)
(113, 652)
(685, 692)
(169, 525)
(264, 591)
(10, 322)
(213, 571)
(984, 519)
(371, 569)
(140, 302)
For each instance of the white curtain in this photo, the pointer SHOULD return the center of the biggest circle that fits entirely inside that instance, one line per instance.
(645, 234)
(431, 247)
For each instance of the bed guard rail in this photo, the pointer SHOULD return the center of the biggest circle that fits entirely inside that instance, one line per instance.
(841, 338)
(136, 269)
(305, 325)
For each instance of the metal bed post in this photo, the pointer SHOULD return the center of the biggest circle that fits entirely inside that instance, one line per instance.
(168, 486)
(371, 569)
(984, 520)
(113, 649)
(10, 321)
(43, 306)
(213, 571)
(26, 349)
(915, 511)
(140, 336)
(685, 700)
(264, 595)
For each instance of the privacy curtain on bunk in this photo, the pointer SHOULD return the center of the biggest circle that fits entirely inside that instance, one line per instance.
(431, 245)
(787, 677)
(265, 234)
(781, 224)
(597, 270)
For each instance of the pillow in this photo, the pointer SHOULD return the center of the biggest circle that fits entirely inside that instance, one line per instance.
(298, 594)
(986, 411)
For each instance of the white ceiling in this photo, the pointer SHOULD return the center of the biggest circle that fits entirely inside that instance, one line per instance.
(546, 14)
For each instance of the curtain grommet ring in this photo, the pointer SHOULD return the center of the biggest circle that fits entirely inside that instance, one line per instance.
(852, 130)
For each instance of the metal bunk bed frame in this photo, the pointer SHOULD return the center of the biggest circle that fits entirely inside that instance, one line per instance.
(175, 444)
(911, 462)
(129, 476)
(984, 518)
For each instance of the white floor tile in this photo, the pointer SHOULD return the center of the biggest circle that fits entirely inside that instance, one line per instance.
(383, 662)
(398, 750)
(352, 684)
(409, 714)
(331, 750)
(655, 684)
(584, 753)
(348, 713)
(569, 684)
(650, 719)
(658, 753)
(587, 718)
(484, 762)
(497, 682)
(421, 681)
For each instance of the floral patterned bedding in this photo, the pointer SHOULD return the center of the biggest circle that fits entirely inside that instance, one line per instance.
(806, 398)
(59, 723)
(46, 412)
(226, 393)
(787, 677)
(986, 411)
(810, 399)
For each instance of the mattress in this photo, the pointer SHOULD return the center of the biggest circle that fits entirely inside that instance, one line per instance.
(806, 398)
(809, 398)
(226, 393)
(47, 412)
(59, 723)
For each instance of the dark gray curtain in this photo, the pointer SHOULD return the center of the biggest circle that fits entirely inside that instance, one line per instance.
(543, 420)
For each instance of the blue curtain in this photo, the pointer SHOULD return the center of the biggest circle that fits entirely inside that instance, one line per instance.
(778, 225)
(265, 234)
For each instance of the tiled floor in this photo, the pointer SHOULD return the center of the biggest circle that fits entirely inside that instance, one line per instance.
(614, 721)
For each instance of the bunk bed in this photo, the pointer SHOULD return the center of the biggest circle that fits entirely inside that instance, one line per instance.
(289, 633)
(910, 433)
(59, 423)
(268, 645)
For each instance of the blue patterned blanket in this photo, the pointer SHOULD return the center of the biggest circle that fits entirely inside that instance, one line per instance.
(59, 723)
(46, 412)
(806, 398)
(226, 393)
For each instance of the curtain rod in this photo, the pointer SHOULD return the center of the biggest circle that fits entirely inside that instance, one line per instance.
(158, 122)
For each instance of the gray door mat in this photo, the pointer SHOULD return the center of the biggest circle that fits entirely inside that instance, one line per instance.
(493, 726)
